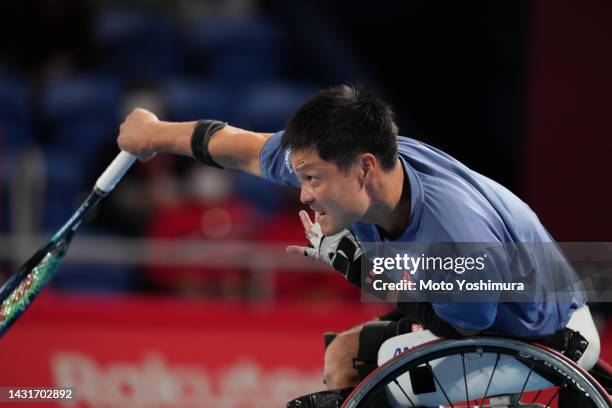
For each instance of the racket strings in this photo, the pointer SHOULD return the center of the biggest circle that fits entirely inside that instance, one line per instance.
(35, 280)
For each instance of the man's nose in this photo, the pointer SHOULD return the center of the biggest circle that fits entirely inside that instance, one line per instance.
(306, 196)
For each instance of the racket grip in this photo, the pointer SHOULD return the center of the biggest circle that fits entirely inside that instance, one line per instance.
(115, 171)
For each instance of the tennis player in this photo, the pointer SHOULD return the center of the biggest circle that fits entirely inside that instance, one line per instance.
(366, 184)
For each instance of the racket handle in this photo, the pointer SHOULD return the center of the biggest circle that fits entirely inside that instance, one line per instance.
(113, 173)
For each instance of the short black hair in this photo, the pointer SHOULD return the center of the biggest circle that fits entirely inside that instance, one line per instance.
(341, 122)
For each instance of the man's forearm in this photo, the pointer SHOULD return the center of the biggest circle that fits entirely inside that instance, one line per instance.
(230, 147)
(235, 148)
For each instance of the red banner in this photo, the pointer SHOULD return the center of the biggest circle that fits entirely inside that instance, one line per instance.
(125, 352)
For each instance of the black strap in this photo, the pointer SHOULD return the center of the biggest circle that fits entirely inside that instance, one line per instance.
(567, 341)
(328, 337)
(200, 138)
(393, 315)
(344, 256)
(371, 337)
(424, 314)
(422, 379)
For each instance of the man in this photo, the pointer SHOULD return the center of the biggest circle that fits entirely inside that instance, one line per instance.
(366, 184)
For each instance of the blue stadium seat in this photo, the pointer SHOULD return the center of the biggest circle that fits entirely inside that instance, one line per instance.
(82, 99)
(138, 45)
(66, 187)
(15, 117)
(240, 70)
(84, 139)
(14, 95)
(214, 37)
(82, 115)
(190, 100)
(267, 106)
(237, 50)
(15, 135)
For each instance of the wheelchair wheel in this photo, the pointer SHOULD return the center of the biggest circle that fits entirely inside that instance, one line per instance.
(383, 387)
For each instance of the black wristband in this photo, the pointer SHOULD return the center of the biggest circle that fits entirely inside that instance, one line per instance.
(200, 137)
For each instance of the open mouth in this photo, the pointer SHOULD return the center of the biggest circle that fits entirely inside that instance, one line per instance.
(319, 216)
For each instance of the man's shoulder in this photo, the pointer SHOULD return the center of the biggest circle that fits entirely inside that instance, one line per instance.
(458, 212)
(456, 203)
(409, 146)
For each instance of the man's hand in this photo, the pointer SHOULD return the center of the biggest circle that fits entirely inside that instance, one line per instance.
(136, 134)
(143, 135)
(340, 251)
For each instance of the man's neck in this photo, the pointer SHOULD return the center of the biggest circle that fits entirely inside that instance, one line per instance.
(391, 213)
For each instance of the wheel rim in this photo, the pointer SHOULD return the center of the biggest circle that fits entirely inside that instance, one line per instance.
(538, 355)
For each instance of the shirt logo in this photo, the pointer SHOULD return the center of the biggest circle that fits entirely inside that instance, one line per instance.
(288, 161)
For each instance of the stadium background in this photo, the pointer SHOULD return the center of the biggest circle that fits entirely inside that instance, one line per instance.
(178, 293)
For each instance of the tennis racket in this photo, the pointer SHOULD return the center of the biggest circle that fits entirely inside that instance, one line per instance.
(20, 290)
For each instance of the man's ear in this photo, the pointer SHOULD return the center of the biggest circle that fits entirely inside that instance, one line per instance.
(367, 166)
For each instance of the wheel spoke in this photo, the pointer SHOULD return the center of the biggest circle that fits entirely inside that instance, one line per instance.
(536, 397)
(371, 398)
(440, 385)
(404, 392)
(555, 394)
(490, 379)
(524, 385)
(467, 395)
(554, 370)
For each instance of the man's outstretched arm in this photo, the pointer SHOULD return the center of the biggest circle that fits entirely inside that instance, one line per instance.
(144, 135)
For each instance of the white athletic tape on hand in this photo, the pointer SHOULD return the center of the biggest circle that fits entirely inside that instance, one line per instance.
(115, 171)
(325, 247)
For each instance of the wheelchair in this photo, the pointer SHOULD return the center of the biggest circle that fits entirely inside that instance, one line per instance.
(510, 373)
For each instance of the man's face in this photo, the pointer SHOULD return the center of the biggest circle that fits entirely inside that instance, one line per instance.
(338, 197)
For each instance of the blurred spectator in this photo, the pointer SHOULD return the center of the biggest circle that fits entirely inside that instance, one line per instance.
(203, 207)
